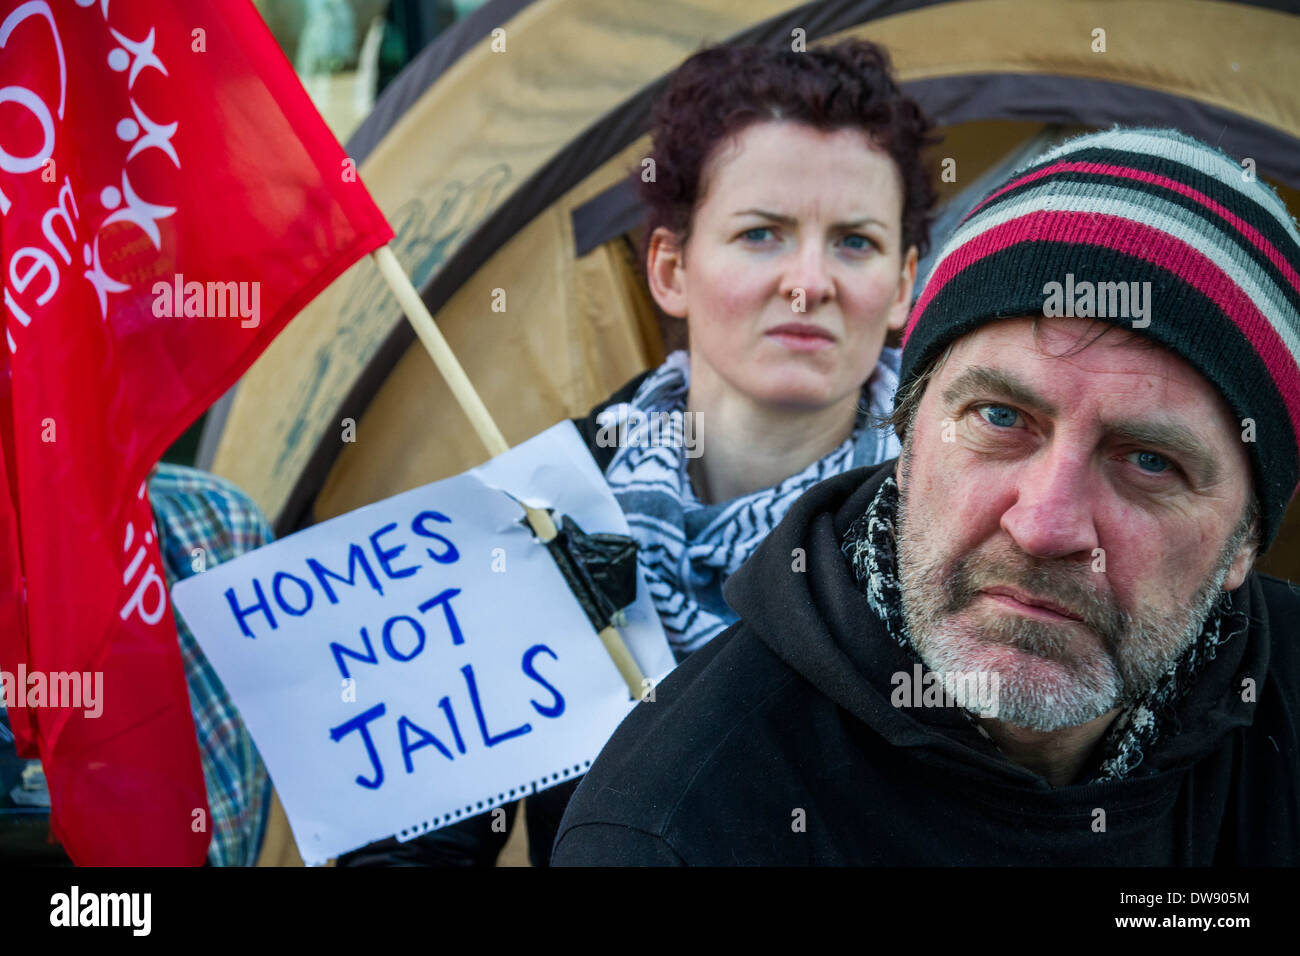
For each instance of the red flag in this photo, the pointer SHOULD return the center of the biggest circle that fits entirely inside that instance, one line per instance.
(169, 200)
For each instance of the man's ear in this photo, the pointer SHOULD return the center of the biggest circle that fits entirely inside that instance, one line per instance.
(903, 302)
(666, 271)
(1242, 562)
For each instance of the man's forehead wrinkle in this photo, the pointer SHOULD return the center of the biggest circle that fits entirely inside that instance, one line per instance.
(1158, 386)
(1150, 358)
(988, 352)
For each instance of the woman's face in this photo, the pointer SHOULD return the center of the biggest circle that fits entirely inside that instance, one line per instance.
(793, 270)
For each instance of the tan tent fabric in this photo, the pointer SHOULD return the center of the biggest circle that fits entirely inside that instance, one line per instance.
(571, 333)
(596, 309)
(515, 852)
(1228, 55)
(278, 846)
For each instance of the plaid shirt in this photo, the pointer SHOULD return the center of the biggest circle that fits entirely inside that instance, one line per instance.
(204, 520)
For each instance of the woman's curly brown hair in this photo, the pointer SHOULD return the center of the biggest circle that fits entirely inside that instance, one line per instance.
(719, 91)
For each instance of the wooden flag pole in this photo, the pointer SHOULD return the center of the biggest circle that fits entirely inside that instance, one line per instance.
(417, 313)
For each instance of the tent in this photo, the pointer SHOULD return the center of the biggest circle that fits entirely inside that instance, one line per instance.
(501, 156)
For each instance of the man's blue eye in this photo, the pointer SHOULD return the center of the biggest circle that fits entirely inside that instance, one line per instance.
(999, 415)
(1151, 462)
(857, 243)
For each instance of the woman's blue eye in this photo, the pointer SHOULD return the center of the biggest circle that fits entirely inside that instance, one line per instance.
(999, 415)
(857, 243)
(1151, 462)
(750, 234)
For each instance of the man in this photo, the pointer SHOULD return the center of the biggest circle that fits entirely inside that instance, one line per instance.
(1037, 637)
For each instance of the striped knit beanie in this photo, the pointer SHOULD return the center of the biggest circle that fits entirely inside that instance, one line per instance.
(1072, 232)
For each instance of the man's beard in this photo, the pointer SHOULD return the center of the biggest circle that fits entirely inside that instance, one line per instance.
(1063, 676)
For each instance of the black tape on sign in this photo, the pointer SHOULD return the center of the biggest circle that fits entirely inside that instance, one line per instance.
(600, 569)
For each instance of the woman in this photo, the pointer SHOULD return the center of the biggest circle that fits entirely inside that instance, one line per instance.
(787, 209)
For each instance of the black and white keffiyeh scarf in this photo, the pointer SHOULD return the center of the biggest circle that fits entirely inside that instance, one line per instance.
(870, 546)
(688, 548)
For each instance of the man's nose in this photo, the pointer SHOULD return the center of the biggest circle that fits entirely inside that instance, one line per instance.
(1053, 515)
(807, 280)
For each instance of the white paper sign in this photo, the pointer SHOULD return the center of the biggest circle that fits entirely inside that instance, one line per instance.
(422, 660)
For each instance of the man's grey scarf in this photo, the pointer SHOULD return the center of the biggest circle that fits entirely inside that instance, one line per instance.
(869, 544)
(687, 548)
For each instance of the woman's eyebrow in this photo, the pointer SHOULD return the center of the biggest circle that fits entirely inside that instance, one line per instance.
(859, 223)
(765, 214)
(979, 380)
(790, 220)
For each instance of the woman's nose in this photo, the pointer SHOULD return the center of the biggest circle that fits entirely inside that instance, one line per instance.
(807, 280)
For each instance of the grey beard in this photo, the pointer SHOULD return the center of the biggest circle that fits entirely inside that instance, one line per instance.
(1148, 650)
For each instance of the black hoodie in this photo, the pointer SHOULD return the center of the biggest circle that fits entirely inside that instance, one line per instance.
(777, 743)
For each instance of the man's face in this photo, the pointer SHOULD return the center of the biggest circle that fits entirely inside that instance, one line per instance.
(1067, 522)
